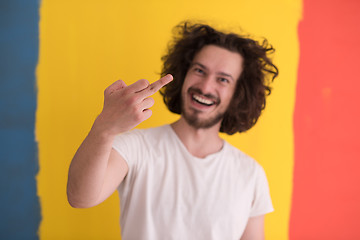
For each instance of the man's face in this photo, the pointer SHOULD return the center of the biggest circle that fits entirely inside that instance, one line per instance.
(209, 86)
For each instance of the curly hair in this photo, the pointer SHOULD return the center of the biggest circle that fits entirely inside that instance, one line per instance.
(252, 87)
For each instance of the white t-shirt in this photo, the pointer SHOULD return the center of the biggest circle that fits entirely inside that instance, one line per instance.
(170, 194)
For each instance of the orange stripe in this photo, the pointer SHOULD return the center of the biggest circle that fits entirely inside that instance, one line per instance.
(326, 195)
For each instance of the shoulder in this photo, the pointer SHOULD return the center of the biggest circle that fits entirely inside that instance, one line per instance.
(242, 161)
(238, 155)
(139, 144)
(148, 136)
(155, 132)
(153, 136)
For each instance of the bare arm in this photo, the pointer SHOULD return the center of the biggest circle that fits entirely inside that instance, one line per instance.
(97, 169)
(254, 229)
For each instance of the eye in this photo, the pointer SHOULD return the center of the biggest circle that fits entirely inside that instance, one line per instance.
(199, 70)
(224, 80)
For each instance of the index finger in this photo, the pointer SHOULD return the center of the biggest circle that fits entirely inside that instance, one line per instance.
(156, 86)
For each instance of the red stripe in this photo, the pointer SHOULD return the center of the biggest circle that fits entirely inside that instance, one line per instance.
(326, 197)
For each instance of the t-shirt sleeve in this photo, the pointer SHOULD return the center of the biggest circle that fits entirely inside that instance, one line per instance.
(262, 201)
(128, 145)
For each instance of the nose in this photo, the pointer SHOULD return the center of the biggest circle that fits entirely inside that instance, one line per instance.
(207, 85)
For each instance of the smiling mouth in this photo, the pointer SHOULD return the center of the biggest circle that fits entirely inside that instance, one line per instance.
(199, 97)
(201, 100)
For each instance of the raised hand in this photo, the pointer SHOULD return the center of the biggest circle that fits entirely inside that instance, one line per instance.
(127, 106)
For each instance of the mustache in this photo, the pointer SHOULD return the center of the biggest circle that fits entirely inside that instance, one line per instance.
(193, 90)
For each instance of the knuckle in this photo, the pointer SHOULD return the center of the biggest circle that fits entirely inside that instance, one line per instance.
(151, 101)
(131, 100)
(143, 83)
(152, 88)
(138, 116)
(147, 114)
(126, 91)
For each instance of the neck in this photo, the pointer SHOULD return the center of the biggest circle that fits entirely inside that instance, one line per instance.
(199, 142)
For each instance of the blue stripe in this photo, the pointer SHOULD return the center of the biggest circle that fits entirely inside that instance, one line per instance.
(19, 204)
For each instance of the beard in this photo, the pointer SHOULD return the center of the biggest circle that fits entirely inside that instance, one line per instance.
(193, 119)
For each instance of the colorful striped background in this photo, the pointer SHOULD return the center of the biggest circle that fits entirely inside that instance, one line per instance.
(58, 56)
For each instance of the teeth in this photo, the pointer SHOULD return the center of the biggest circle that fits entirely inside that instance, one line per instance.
(203, 100)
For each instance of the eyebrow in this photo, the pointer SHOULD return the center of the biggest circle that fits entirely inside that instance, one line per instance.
(220, 73)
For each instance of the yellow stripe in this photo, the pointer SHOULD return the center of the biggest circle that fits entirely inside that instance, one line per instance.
(86, 45)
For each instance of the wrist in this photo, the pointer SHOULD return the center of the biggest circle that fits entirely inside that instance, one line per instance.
(100, 129)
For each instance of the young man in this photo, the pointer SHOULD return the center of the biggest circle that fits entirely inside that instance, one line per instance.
(182, 181)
